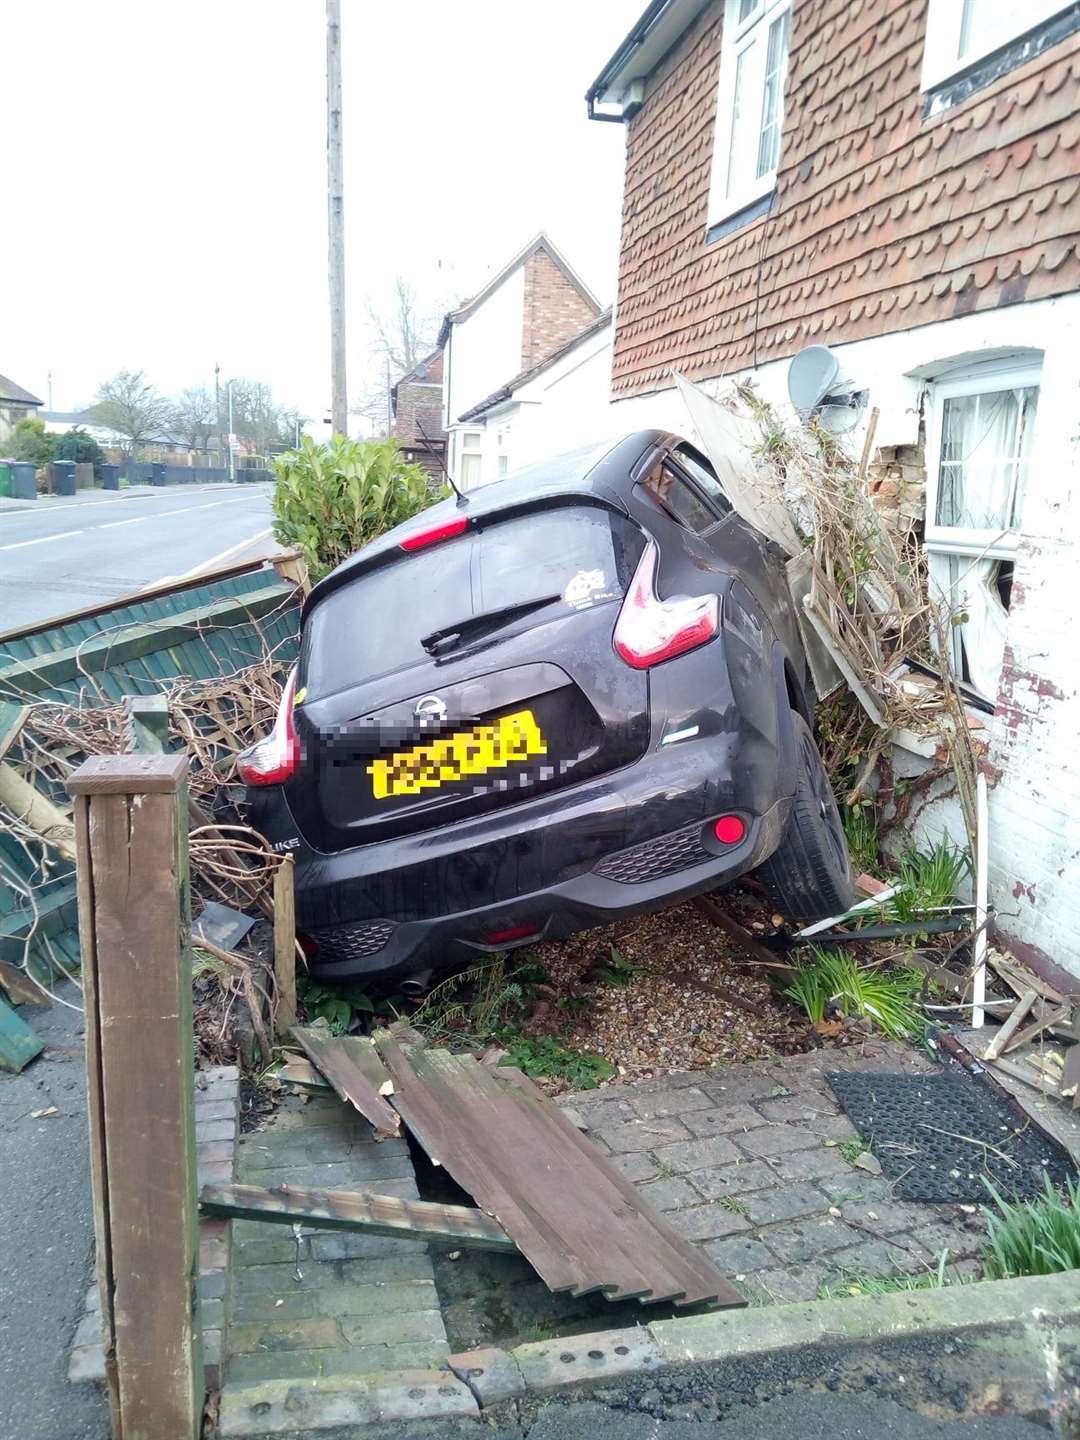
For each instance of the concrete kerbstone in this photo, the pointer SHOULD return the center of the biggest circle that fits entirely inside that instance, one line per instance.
(549, 1364)
(983, 1306)
(325, 1402)
(490, 1373)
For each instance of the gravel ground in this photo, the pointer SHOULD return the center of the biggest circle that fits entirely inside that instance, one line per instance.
(673, 1014)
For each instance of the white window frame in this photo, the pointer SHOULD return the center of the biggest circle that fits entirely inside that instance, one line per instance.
(944, 19)
(982, 379)
(953, 540)
(735, 39)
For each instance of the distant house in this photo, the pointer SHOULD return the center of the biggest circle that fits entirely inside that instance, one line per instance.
(554, 405)
(15, 405)
(521, 318)
(417, 401)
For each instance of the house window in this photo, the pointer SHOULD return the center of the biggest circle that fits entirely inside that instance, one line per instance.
(750, 108)
(504, 463)
(959, 33)
(979, 445)
(470, 459)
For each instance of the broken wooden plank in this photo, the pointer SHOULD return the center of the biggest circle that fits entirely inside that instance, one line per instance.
(1046, 1021)
(354, 1069)
(357, 1210)
(1011, 1025)
(1020, 979)
(303, 1074)
(21, 987)
(18, 1043)
(1070, 1079)
(580, 1223)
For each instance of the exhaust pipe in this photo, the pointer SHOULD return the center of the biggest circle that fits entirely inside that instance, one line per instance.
(418, 985)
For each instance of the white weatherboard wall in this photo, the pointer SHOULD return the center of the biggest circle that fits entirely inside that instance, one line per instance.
(485, 348)
(565, 406)
(1034, 761)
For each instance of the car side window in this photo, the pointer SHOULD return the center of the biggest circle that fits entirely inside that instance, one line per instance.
(681, 499)
(704, 476)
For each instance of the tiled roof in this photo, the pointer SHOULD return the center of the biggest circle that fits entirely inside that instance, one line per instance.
(13, 393)
(882, 220)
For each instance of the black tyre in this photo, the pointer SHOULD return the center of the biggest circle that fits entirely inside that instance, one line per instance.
(809, 874)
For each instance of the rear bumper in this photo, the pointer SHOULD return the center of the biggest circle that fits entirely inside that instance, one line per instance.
(635, 840)
(555, 911)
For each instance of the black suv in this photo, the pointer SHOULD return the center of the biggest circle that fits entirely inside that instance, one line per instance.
(577, 695)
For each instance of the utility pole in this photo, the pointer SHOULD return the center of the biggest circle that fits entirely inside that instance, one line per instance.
(232, 446)
(335, 184)
(217, 406)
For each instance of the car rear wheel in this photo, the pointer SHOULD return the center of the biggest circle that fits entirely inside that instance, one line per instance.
(809, 874)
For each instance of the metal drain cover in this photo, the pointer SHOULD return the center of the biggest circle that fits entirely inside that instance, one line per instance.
(940, 1137)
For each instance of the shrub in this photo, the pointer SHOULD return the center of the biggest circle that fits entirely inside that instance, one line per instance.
(331, 499)
(78, 445)
(30, 441)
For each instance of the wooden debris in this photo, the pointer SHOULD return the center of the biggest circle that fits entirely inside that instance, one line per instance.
(580, 1223)
(357, 1210)
(1011, 1025)
(18, 1043)
(1070, 1079)
(22, 988)
(12, 715)
(26, 802)
(354, 1069)
(303, 1075)
(1046, 1021)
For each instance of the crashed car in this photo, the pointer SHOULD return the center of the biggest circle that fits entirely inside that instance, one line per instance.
(574, 695)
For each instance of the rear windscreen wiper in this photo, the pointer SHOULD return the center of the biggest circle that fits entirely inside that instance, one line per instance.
(452, 635)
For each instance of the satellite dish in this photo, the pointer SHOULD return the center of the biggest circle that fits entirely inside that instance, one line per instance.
(811, 375)
(818, 389)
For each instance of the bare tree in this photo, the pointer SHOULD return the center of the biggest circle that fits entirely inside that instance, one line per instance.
(132, 407)
(402, 334)
(194, 416)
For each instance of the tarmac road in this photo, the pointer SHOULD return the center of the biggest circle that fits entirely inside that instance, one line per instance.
(46, 1237)
(58, 555)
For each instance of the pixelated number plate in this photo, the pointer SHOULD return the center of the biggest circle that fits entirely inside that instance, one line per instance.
(470, 752)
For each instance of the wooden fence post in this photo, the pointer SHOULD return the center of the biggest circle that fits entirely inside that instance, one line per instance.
(134, 914)
(284, 948)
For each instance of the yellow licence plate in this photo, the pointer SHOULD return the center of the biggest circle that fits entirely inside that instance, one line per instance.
(470, 752)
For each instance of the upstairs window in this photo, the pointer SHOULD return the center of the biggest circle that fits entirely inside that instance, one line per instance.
(979, 446)
(960, 33)
(750, 113)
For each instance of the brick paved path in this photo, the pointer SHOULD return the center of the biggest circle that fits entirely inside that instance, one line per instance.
(365, 1303)
(739, 1160)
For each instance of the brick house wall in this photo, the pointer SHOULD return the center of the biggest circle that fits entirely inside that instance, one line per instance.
(418, 411)
(555, 310)
(882, 219)
(907, 243)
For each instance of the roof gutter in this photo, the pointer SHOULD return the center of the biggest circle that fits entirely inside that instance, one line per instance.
(626, 50)
(621, 83)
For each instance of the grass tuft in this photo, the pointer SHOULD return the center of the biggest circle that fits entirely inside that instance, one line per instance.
(1033, 1237)
(833, 979)
(930, 879)
(853, 1282)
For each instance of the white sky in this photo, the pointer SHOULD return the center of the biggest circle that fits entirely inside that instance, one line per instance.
(165, 202)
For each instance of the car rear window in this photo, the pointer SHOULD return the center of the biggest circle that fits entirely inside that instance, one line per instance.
(583, 554)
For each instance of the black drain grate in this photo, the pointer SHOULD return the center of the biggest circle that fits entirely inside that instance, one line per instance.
(940, 1137)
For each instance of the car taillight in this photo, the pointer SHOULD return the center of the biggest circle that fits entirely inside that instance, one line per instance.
(512, 932)
(273, 760)
(649, 629)
(423, 538)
